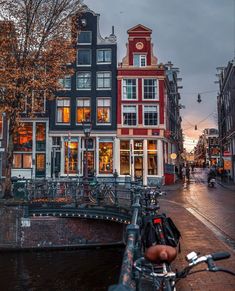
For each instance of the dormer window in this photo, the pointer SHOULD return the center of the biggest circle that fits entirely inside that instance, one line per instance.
(84, 37)
(139, 60)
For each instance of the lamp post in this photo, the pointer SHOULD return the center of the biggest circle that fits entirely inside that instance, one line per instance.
(87, 131)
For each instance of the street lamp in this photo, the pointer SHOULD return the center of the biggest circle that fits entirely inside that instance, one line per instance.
(87, 131)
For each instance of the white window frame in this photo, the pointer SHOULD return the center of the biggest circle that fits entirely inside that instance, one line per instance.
(103, 62)
(58, 99)
(85, 43)
(82, 72)
(84, 65)
(141, 57)
(137, 117)
(157, 111)
(62, 82)
(103, 88)
(157, 89)
(82, 99)
(110, 113)
(133, 99)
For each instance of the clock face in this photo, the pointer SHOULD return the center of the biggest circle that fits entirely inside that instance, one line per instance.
(139, 45)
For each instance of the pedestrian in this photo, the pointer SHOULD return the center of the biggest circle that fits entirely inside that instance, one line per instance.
(187, 172)
(183, 173)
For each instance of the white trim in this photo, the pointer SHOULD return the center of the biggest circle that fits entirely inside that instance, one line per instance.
(137, 116)
(154, 125)
(129, 78)
(157, 85)
(103, 63)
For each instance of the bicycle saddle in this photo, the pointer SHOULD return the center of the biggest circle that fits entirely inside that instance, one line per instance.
(160, 254)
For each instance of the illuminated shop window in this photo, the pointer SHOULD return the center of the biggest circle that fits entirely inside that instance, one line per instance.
(1, 125)
(83, 80)
(103, 110)
(83, 110)
(23, 138)
(106, 157)
(40, 136)
(150, 89)
(21, 160)
(125, 157)
(152, 157)
(63, 110)
(40, 162)
(71, 157)
(129, 91)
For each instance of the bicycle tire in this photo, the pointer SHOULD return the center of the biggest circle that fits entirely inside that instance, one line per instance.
(110, 197)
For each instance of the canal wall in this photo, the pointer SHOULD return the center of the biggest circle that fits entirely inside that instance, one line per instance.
(17, 231)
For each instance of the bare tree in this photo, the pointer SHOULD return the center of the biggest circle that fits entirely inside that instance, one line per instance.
(36, 44)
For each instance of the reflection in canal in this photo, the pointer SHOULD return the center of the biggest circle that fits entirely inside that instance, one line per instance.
(85, 270)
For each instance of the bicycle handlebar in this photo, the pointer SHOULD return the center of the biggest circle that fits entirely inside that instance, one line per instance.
(220, 256)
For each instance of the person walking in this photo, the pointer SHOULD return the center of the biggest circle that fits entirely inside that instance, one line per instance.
(187, 172)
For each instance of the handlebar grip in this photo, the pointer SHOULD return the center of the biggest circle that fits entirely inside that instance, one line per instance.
(220, 256)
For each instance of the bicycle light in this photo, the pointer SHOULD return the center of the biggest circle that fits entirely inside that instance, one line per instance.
(191, 256)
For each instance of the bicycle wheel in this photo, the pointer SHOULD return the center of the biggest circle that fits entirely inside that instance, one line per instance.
(92, 195)
(110, 197)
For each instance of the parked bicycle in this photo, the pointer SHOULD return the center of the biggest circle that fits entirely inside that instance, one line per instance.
(154, 267)
(101, 193)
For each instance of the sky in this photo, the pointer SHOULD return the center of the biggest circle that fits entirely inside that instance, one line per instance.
(197, 36)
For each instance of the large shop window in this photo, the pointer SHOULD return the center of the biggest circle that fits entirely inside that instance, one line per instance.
(22, 161)
(150, 89)
(150, 115)
(83, 80)
(106, 157)
(129, 91)
(1, 126)
(39, 100)
(40, 136)
(23, 138)
(129, 115)
(139, 60)
(65, 82)
(84, 57)
(103, 110)
(63, 110)
(152, 157)
(125, 157)
(71, 157)
(84, 37)
(83, 110)
(103, 80)
(104, 56)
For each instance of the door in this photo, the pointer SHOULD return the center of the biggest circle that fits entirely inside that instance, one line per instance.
(40, 165)
(138, 166)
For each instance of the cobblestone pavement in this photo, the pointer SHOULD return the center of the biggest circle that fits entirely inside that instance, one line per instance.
(197, 237)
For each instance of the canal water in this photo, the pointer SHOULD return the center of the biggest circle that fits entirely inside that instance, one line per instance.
(77, 270)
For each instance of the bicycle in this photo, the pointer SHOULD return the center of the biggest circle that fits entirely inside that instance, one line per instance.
(155, 267)
(101, 193)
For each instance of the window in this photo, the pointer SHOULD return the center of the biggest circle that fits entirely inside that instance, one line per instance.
(152, 157)
(84, 37)
(84, 57)
(103, 80)
(40, 136)
(1, 125)
(38, 101)
(106, 157)
(103, 56)
(139, 60)
(125, 157)
(23, 138)
(71, 157)
(103, 110)
(129, 115)
(63, 110)
(83, 110)
(129, 89)
(83, 80)
(150, 115)
(65, 82)
(150, 89)
(22, 161)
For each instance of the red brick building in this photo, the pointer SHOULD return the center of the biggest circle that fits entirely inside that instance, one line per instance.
(142, 131)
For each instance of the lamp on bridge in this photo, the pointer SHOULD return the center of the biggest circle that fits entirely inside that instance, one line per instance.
(87, 131)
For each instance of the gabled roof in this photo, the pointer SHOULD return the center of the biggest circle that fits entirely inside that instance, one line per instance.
(139, 28)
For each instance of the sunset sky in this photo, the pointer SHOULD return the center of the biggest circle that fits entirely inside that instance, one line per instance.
(196, 36)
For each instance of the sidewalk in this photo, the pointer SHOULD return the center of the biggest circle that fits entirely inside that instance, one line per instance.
(197, 237)
(229, 185)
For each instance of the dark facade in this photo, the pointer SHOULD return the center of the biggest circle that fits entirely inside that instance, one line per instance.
(89, 95)
(226, 117)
